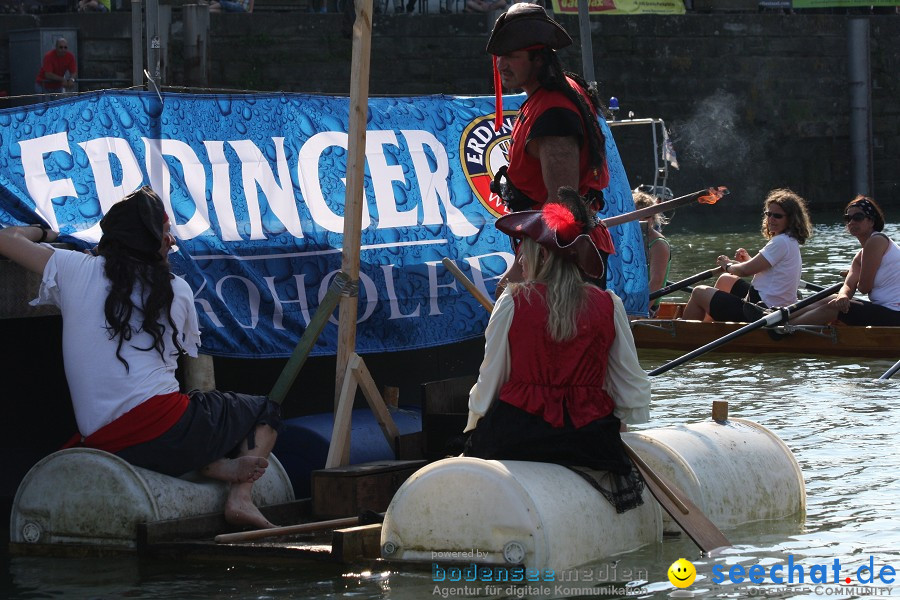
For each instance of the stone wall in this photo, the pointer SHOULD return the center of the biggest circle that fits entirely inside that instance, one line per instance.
(754, 101)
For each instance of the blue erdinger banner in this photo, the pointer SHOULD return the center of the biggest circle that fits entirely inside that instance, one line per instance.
(254, 186)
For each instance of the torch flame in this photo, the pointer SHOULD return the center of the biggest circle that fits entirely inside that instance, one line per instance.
(713, 195)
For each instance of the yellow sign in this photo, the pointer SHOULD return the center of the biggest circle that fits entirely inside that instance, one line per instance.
(621, 7)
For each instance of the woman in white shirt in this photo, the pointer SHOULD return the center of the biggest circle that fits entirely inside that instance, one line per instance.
(875, 271)
(775, 269)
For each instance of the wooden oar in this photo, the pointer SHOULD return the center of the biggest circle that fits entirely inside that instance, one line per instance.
(679, 285)
(773, 318)
(467, 283)
(258, 534)
(889, 373)
(684, 512)
(707, 196)
(698, 527)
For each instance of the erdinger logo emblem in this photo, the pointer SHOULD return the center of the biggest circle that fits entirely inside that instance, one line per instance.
(483, 152)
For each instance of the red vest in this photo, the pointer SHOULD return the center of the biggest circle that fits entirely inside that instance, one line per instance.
(545, 375)
(524, 170)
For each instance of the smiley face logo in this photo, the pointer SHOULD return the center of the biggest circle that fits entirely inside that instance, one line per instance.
(682, 573)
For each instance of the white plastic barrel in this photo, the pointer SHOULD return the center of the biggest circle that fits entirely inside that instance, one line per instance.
(545, 516)
(87, 496)
(509, 513)
(735, 472)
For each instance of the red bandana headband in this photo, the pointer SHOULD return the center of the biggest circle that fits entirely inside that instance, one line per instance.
(498, 89)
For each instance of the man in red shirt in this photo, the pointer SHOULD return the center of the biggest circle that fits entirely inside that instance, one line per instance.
(556, 140)
(58, 70)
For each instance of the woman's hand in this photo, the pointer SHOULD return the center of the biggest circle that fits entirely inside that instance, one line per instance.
(741, 255)
(842, 303)
(722, 261)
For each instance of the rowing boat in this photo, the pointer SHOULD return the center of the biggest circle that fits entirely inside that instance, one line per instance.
(667, 332)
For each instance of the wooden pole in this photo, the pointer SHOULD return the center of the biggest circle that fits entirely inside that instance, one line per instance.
(258, 534)
(356, 161)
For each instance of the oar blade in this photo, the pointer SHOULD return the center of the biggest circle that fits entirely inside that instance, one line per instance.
(695, 524)
(689, 517)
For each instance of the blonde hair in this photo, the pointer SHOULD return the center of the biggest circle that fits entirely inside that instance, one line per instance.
(643, 200)
(566, 290)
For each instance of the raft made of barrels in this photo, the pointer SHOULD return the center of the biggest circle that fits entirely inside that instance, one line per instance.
(90, 497)
(545, 516)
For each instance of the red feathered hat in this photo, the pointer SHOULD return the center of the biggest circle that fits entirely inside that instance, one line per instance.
(556, 229)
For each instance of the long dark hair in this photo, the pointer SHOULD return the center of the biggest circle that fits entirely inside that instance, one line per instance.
(127, 270)
(552, 77)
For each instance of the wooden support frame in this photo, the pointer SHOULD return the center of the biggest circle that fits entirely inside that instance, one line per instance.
(357, 375)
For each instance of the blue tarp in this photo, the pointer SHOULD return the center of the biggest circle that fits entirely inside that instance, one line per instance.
(254, 186)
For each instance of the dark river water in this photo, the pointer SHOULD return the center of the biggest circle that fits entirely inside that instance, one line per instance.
(840, 423)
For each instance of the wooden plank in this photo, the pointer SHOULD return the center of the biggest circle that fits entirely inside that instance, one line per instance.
(447, 395)
(376, 402)
(349, 490)
(355, 543)
(445, 409)
(339, 449)
(209, 525)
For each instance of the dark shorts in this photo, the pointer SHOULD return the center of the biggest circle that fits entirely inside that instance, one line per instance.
(508, 432)
(729, 306)
(866, 313)
(214, 426)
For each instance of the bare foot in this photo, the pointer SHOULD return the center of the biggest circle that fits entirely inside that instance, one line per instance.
(243, 469)
(244, 512)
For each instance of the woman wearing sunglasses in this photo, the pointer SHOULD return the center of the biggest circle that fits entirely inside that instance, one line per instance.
(776, 269)
(875, 271)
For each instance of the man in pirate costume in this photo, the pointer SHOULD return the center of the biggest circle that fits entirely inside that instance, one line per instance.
(560, 376)
(556, 140)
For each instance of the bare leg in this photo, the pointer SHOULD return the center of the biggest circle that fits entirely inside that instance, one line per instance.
(725, 282)
(697, 307)
(239, 507)
(819, 313)
(236, 470)
(241, 473)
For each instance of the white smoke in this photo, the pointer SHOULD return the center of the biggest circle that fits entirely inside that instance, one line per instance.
(711, 137)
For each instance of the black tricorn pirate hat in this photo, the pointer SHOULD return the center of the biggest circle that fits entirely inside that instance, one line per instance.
(525, 25)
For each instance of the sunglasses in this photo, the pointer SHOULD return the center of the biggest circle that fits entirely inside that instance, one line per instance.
(855, 217)
(62, 47)
(773, 215)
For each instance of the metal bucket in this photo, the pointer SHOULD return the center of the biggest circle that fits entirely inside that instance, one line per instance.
(87, 496)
